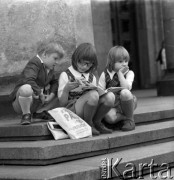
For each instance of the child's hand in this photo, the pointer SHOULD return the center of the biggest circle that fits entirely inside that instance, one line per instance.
(83, 82)
(48, 98)
(86, 83)
(124, 70)
(71, 85)
(35, 96)
(90, 87)
(79, 81)
(42, 98)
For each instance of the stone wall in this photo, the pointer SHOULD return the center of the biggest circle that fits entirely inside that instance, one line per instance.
(102, 30)
(24, 23)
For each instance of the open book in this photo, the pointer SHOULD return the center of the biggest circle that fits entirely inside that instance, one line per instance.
(86, 86)
(102, 91)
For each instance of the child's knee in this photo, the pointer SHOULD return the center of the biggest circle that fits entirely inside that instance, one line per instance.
(125, 95)
(25, 90)
(109, 99)
(93, 98)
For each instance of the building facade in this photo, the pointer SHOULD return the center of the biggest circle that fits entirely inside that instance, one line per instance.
(138, 25)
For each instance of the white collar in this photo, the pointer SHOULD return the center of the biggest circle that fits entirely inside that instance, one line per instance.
(39, 58)
(78, 74)
(111, 74)
(48, 70)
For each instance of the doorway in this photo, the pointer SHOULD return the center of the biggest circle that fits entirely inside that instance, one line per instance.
(124, 32)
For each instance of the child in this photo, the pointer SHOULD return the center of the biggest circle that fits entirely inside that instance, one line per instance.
(83, 103)
(117, 74)
(37, 78)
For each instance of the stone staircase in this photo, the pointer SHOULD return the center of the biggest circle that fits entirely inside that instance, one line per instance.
(29, 152)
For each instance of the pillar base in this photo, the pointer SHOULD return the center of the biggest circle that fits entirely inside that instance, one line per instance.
(165, 87)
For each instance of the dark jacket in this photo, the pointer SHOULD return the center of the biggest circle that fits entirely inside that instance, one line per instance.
(36, 75)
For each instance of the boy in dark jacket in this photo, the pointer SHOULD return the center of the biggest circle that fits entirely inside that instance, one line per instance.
(36, 92)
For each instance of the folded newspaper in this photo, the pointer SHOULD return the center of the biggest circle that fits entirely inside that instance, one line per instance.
(57, 131)
(74, 126)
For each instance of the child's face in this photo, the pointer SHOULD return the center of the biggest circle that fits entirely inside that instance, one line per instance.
(83, 66)
(120, 64)
(50, 60)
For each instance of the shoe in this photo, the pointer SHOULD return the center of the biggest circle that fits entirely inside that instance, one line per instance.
(95, 132)
(43, 115)
(26, 119)
(119, 125)
(109, 126)
(102, 128)
(128, 125)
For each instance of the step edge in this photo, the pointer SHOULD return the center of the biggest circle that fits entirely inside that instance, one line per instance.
(76, 170)
(53, 152)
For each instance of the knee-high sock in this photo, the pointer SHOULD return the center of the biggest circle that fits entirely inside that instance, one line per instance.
(128, 108)
(101, 112)
(25, 103)
(89, 111)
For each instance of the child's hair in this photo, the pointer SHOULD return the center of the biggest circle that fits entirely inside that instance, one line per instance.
(49, 48)
(87, 52)
(115, 54)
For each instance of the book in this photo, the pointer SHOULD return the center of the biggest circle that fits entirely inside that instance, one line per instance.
(103, 91)
(84, 85)
(111, 89)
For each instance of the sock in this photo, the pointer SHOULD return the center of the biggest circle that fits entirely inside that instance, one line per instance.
(25, 103)
(89, 112)
(101, 112)
(128, 108)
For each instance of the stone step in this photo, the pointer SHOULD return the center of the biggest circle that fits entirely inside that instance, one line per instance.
(152, 108)
(132, 159)
(51, 151)
(7, 85)
(149, 104)
(11, 130)
(148, 101)
(6, 106)
(158, 175)
(149, 110)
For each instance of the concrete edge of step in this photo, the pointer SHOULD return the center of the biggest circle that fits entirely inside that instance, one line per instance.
(93, 168)
(49, 152)
(10, 126)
